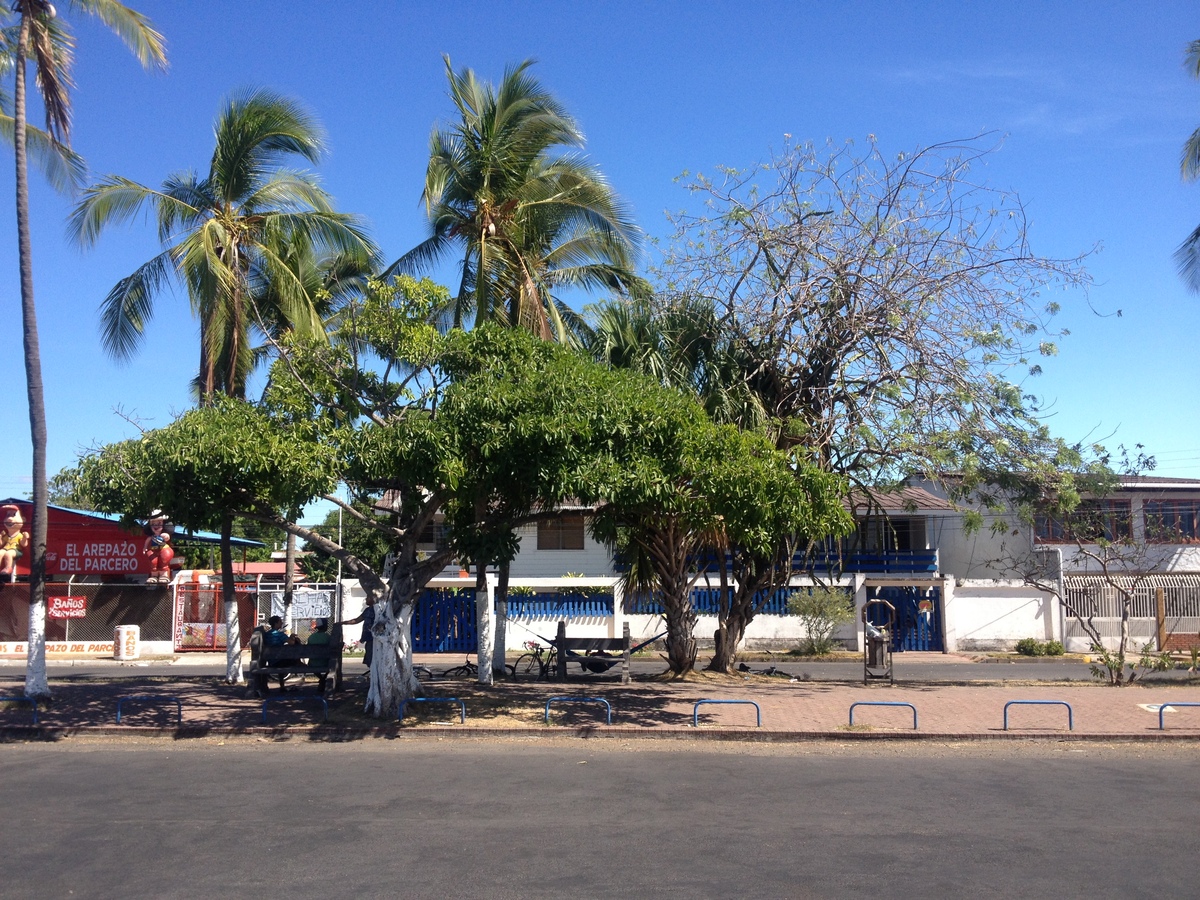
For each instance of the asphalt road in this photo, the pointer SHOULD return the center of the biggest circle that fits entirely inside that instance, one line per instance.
(542, 818)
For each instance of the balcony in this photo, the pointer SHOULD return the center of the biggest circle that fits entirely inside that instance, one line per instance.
(872, 562)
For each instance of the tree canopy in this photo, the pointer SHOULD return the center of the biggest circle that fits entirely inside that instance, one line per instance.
(893, 308)
(527, 214)
(242, 239)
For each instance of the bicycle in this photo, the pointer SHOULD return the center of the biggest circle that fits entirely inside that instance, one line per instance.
(469, 669)
(535, 656)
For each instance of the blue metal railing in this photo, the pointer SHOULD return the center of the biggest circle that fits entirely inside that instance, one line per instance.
(696, 710)
(607, 706)
(878, 562)
(1070, 712)
(707, 601)
(883, 703)
(152, 698)
(1162, 726)
(30, 700)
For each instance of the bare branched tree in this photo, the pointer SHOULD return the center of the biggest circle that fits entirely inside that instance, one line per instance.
(891, 307)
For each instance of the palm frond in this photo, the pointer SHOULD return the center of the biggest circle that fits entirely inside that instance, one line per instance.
(129, 306)
(133, 28)
(63, 168)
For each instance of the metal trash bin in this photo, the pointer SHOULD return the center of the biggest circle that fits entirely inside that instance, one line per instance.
(127, 642)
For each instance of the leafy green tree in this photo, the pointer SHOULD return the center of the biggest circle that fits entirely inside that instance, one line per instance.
(1188, 254)
(526, 219)
(681, 485)
(208, 466)
(683, 344)
(242, 239)
(40, 33)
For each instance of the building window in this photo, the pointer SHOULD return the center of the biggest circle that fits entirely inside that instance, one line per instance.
(1089, 522)
(1172, 521)
(561, 533)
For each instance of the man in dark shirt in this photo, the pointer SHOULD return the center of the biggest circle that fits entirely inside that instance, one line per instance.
(368, 635)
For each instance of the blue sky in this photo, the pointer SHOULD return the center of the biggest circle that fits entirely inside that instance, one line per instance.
(1090, 100)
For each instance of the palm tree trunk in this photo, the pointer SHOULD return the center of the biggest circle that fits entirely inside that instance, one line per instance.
(36, 685)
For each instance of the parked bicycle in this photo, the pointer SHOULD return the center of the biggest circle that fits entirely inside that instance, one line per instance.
(468, 669)
(537, 659)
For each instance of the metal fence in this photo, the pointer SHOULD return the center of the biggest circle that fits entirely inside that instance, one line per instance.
(108, 605)
(1098, 597)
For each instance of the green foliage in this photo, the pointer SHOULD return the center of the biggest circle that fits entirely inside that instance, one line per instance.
(1031, 647)
(1053, 648)
(525, 218)
(226, 458)
(1116, 668)
(821, 611)
(251, 241)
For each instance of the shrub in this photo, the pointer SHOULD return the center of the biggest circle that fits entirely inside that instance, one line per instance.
(1053, 648)
(1031, 647)
(821, 610)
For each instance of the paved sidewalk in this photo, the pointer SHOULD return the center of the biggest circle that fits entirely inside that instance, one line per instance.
(791, 710)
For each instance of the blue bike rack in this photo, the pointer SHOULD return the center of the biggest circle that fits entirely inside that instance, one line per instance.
(1070, 712)
(462, 712)
(140, 697)
(883, 703)
(1161, 723)
(322, 701)
(578, 700)
(32, 702)
(696, 709)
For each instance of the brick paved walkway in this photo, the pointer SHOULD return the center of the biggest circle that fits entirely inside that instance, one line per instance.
(789, 709)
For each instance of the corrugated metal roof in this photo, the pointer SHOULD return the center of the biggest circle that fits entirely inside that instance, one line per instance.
(905, 499)
(1158, 482)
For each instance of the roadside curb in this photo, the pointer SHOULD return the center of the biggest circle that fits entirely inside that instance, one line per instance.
(341, 734)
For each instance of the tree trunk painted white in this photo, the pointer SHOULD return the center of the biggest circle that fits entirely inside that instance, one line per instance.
(233, 633)
(501, 646)
(483, 630)
(392, 677)
(36, 685)
(233, 645)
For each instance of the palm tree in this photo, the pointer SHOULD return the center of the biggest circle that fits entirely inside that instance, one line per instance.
(1188, 254)
(527, 220)
(43, 35)
(241, 239)
(683, 344)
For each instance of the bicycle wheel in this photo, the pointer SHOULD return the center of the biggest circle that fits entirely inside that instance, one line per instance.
(549, 667)
(527, 663)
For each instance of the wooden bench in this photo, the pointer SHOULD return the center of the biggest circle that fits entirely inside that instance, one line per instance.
(279, 661)
(578, 650)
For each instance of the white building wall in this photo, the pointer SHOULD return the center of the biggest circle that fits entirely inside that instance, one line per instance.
(994, 615)
(594, 560)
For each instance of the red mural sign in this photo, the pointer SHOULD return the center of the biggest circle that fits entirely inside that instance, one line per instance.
(66, 607)
(87, 546)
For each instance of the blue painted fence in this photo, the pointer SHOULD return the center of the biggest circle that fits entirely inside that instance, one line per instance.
(560, 606)
(444, 622)
(707, 601)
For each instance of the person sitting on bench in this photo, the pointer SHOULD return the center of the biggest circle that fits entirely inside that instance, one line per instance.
(277, 637)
